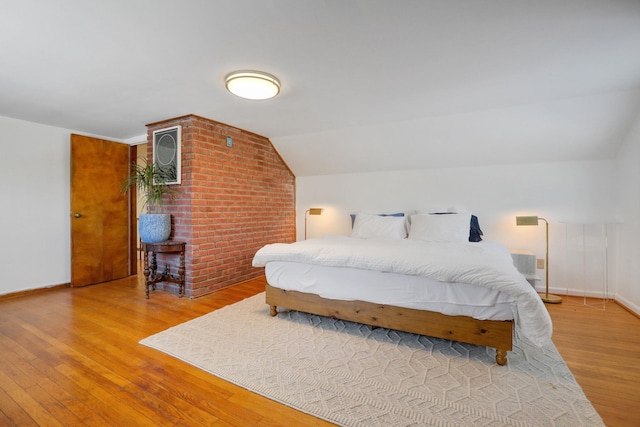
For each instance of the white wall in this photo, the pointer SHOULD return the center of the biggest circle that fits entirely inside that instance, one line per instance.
(566, 192)
(34, 189)
(628, 216)
(35, 193)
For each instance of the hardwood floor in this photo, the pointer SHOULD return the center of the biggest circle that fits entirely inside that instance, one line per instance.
(71, 357)
(602, 349)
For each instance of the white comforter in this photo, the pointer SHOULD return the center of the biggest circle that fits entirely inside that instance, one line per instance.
(485, 264)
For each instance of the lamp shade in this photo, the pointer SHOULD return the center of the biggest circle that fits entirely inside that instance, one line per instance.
(254, 85)
(526, 220)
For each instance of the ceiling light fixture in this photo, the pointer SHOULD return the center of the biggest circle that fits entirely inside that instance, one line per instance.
(252, 84)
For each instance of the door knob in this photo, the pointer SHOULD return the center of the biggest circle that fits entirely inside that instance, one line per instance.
(77, 215)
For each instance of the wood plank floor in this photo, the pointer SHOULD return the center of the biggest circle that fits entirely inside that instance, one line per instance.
(71, 357)
(602, 349)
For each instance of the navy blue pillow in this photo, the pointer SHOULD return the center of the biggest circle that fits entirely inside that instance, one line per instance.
(474, 227)
(353, 216)
(475, 232)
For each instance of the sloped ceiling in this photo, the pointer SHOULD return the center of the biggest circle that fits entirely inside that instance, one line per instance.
(367, 85)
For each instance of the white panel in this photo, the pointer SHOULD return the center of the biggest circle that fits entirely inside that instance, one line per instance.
(587, 270)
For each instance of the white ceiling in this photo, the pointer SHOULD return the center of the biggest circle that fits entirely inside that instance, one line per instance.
(367, 85)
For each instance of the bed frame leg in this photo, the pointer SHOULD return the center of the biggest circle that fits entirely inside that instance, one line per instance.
(273, 311)
(501, 357)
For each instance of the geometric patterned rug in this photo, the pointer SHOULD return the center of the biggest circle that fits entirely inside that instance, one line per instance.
(351, 375)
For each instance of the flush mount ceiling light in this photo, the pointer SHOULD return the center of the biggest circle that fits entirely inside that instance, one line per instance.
(252, 84)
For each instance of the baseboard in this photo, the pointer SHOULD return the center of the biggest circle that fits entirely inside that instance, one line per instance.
(33, 291)
(628, 305)
(576, 292)
(621, 301)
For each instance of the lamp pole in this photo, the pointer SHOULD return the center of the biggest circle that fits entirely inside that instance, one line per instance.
(310, 211)
(548, 298)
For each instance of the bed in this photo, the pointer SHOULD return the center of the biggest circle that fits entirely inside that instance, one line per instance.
(435, 282)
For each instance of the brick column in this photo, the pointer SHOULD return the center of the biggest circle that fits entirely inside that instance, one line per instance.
(231, 202)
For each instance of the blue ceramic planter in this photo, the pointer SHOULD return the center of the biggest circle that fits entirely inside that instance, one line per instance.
(154, 228)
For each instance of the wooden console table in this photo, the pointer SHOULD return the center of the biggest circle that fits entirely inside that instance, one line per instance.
(151, 275)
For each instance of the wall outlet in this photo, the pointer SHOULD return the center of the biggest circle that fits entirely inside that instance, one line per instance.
(540, 263)
(229, 142)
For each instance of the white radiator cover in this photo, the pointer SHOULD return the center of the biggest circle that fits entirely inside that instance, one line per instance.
(525, 262)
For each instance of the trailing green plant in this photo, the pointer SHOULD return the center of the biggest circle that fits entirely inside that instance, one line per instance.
(151, 181)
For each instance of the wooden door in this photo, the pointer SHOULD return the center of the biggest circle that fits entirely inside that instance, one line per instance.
(100, 220)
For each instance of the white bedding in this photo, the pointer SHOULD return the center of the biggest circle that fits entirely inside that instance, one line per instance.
(398, 290)
(485, 264)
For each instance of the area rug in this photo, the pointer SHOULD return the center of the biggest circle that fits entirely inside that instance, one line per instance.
(352, 375)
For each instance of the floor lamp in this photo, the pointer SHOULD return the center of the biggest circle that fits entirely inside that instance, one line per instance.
(533, 220)
(310, 211)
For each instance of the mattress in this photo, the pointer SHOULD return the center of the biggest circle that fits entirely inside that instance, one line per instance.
(401, 290)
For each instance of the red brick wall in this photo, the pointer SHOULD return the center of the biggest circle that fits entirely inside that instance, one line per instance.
(231, 202)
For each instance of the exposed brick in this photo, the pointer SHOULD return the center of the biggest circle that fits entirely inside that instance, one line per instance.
(231, 202)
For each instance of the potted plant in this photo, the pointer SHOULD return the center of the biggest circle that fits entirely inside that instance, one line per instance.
(152, 184)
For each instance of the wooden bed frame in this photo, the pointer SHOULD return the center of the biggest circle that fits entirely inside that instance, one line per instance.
(490, 333)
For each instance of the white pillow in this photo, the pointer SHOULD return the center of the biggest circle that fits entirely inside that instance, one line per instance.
(440, 228)
(367, 226)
